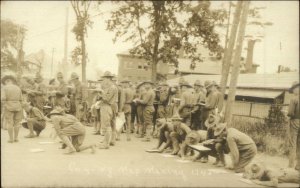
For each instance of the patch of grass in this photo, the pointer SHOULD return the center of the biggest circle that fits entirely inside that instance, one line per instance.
(269, 138)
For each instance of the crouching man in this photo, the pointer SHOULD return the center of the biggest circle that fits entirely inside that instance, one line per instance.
(179, 133)
(261, 175)
(164, 128)
(35, 120)
(242, 147)
(66, 126)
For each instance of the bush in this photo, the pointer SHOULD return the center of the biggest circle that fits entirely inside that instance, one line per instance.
(267, 137)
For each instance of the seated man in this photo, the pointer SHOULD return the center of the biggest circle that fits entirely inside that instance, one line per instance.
(179, 133)
(192, 138)
(66, 126)
(242, 147)
(164, 128)
(260, 175)
(35, 120)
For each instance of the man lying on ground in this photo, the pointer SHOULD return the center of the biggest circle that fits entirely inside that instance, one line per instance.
(66, 126)
(261, 175)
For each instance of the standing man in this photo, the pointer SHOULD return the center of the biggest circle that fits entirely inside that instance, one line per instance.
(186, 103)
(40, 92)
(220, 97)
(211, 102)
(199, 97)
(78, 95)
(11, 98)
(108, 111)
(294, 130)
(125, 105)
(148, 109)
(162, 110)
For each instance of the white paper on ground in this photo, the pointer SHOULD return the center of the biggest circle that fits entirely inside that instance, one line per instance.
(247, 181)
(167, 155)
(48, 142)
(199, 147)
(36, 150)
(182, 161)
(152, 150)
(218, 171)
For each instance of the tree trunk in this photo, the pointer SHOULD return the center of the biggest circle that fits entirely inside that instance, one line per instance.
(237, 61)
(83, 60)
(228, 52)
(158, 8)
(249, 59)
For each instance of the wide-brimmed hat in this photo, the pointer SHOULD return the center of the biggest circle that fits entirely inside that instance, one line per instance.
(56, 111)
(198, 83)
(107, 74)
(144, 82)
(8, 77)
(185, 83)
(59, 75)
(59, 94)
(208, 84)
(257, 169)
(215, 83)
(294, 85)
(125, 81)
(176, 117)
(74, 76)
(210, 124)
(219, 128)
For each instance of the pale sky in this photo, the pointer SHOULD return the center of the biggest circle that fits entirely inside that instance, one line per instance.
(45, 22)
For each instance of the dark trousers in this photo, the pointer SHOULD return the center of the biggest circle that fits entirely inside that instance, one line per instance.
(196, 120)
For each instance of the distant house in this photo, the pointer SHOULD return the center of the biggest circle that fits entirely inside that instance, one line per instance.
(255, 92)
(136, 69)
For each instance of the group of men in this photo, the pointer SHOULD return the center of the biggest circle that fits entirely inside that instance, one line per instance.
(180, 115)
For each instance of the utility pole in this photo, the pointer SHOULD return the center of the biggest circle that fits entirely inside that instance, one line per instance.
(228, 24)
(228, 52)
(65, 60)
(236, 63)
(52, 63)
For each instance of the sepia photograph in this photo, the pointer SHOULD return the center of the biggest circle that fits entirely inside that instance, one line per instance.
(150, 94)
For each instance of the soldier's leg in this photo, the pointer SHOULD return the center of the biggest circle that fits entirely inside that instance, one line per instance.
(245, 158)
(10, 125)
(128, 125)
(175, 142)
(148, 126)
(220, 156)
(106, 115)
(30, 124)
(17, 119)
(66, 140)
(293, 133)
(113, 125)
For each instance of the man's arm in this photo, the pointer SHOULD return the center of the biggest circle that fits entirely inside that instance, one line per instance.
(146, 98)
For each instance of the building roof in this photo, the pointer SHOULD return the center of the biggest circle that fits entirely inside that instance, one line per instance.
(270, 94)
(276, 81)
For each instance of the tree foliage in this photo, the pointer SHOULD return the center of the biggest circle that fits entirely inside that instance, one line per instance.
(12, 36)
(159, 29)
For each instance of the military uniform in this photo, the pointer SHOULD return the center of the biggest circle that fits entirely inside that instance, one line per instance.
(165, 127)
(178, 136)
(126, 100)
(11, 98)
(162, 110)
(186, 106)
(199, 97)
(148, 110)
(35, 122)
(40, 93)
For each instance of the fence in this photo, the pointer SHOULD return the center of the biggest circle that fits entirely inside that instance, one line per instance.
(253, 109)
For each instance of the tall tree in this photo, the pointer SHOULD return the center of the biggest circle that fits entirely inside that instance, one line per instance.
(12, 38)
(82, 11)
(158, 30)
(236, 61)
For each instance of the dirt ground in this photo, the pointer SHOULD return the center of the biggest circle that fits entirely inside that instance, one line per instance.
(124, 165)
